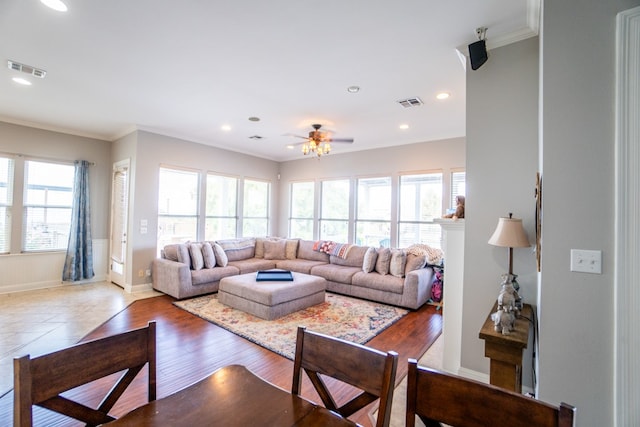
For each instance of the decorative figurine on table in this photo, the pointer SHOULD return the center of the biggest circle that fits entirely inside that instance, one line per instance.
(505, 318)
(459, 213)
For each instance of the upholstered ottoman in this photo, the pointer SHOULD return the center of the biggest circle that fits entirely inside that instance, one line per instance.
(271, 299)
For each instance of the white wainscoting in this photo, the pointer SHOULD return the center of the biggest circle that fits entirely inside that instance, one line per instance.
(24, 272)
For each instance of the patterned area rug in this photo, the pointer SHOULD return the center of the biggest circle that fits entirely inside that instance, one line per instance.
(348, 318)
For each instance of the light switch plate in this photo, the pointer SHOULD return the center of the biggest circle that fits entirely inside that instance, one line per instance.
(586, 261)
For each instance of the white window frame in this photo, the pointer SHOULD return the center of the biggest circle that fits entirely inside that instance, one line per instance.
(250, 200)
(367, 217)
(221, 216)
(295, 216)
(164, 237)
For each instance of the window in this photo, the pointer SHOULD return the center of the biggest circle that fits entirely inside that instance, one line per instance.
(6, 199)
(47, 205)
(177, 206)
(373, 215)
(302, 202)
(334, 213)
(255, 208)
(221, 207)
(458, 187)
(420, 203)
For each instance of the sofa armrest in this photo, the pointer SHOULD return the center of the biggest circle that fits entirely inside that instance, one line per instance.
(171, 277)
(417, 287)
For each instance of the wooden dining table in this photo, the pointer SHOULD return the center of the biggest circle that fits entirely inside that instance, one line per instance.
(232, 396)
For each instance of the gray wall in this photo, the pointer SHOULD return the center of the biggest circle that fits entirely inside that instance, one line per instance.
(444, 155)
(44, 144)
(576, 309)
(502, 160)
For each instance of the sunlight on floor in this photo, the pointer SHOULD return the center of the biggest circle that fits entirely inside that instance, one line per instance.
(45, 320)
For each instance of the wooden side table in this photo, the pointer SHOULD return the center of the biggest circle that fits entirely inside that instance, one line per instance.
(505, 351)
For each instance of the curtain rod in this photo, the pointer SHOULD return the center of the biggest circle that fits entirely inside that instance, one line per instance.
(53, 159)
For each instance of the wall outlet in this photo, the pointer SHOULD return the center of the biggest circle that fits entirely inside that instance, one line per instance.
(586, 261)
(148, 273)
(140, 273)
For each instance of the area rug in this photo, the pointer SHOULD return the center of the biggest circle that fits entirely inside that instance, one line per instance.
(347, 318)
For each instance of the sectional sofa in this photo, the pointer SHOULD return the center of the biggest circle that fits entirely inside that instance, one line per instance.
(400, 277)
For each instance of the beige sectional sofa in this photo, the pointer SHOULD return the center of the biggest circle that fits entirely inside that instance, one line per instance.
(399, 277)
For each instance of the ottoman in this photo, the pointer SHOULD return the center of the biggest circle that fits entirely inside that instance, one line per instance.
(271, 299)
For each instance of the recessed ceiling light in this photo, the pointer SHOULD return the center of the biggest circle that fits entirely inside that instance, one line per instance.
(225, 128)
(290, 147)
(353, 89)
(21, 81)
(55, 5)
(443, 95)
(404, 126)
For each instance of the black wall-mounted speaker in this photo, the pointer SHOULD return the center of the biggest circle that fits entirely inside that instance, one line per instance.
(478, 54)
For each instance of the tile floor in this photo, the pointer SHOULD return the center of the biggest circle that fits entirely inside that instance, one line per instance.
(41, 321)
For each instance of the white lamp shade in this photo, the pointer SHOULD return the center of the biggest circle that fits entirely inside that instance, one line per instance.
(509, 233)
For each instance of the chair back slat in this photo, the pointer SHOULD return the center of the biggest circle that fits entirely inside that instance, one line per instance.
(369, 370)
(462, 402)
(40, 381)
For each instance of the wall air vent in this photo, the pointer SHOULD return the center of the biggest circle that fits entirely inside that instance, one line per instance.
(255, 137)
(16, 66)
(410, 102)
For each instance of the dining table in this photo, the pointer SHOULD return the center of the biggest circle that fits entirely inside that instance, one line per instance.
(232, 396)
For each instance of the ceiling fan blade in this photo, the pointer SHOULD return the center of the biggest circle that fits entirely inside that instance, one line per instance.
(293, 134)
(347, 140)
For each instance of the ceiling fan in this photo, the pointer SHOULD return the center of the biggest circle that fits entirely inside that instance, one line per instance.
(319, 142)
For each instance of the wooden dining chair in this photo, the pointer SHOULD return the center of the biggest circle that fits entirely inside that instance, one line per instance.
(371, 371)
(41, 380)
(438, 397)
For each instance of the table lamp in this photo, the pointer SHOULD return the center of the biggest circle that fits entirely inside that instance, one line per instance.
(510, 234)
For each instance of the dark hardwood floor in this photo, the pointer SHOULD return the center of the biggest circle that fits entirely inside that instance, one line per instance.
(190, 348)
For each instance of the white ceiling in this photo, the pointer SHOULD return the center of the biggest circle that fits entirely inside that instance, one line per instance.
(186, 68)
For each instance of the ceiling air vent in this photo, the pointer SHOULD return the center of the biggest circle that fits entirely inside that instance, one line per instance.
(255, 137)
(410, 102)
(36, 72)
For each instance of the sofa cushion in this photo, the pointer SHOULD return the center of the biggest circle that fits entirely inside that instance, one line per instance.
(237, 249)
(415, 262)
(387, 283)
(259, 251)
(305, 250)
(208, 275)
(177, 252)
(369, 261)
(300, 265)
(335, 273)
(208, 255)
(384, 258)
(397, 263)
(221, 255)
(197, 260)
(275, 249)
(291, 249)
(251, 265)
(354, 257)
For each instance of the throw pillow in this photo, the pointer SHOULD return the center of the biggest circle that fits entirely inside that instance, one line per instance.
(208, 255)
(197, 260)
(369, 261)
(415, 262)
(221, 256)
(275, 249)
(397, 263)
(291, 248)
(384, 258)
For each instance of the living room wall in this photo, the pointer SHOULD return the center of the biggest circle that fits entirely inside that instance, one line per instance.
(443, 155)
(502, 161)
(44, 269)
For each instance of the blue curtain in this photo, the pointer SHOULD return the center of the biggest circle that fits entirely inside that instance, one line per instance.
(78, 264)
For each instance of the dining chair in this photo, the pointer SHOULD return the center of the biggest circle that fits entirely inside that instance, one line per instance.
(371, 371)
(41, 380)
(438, 397)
